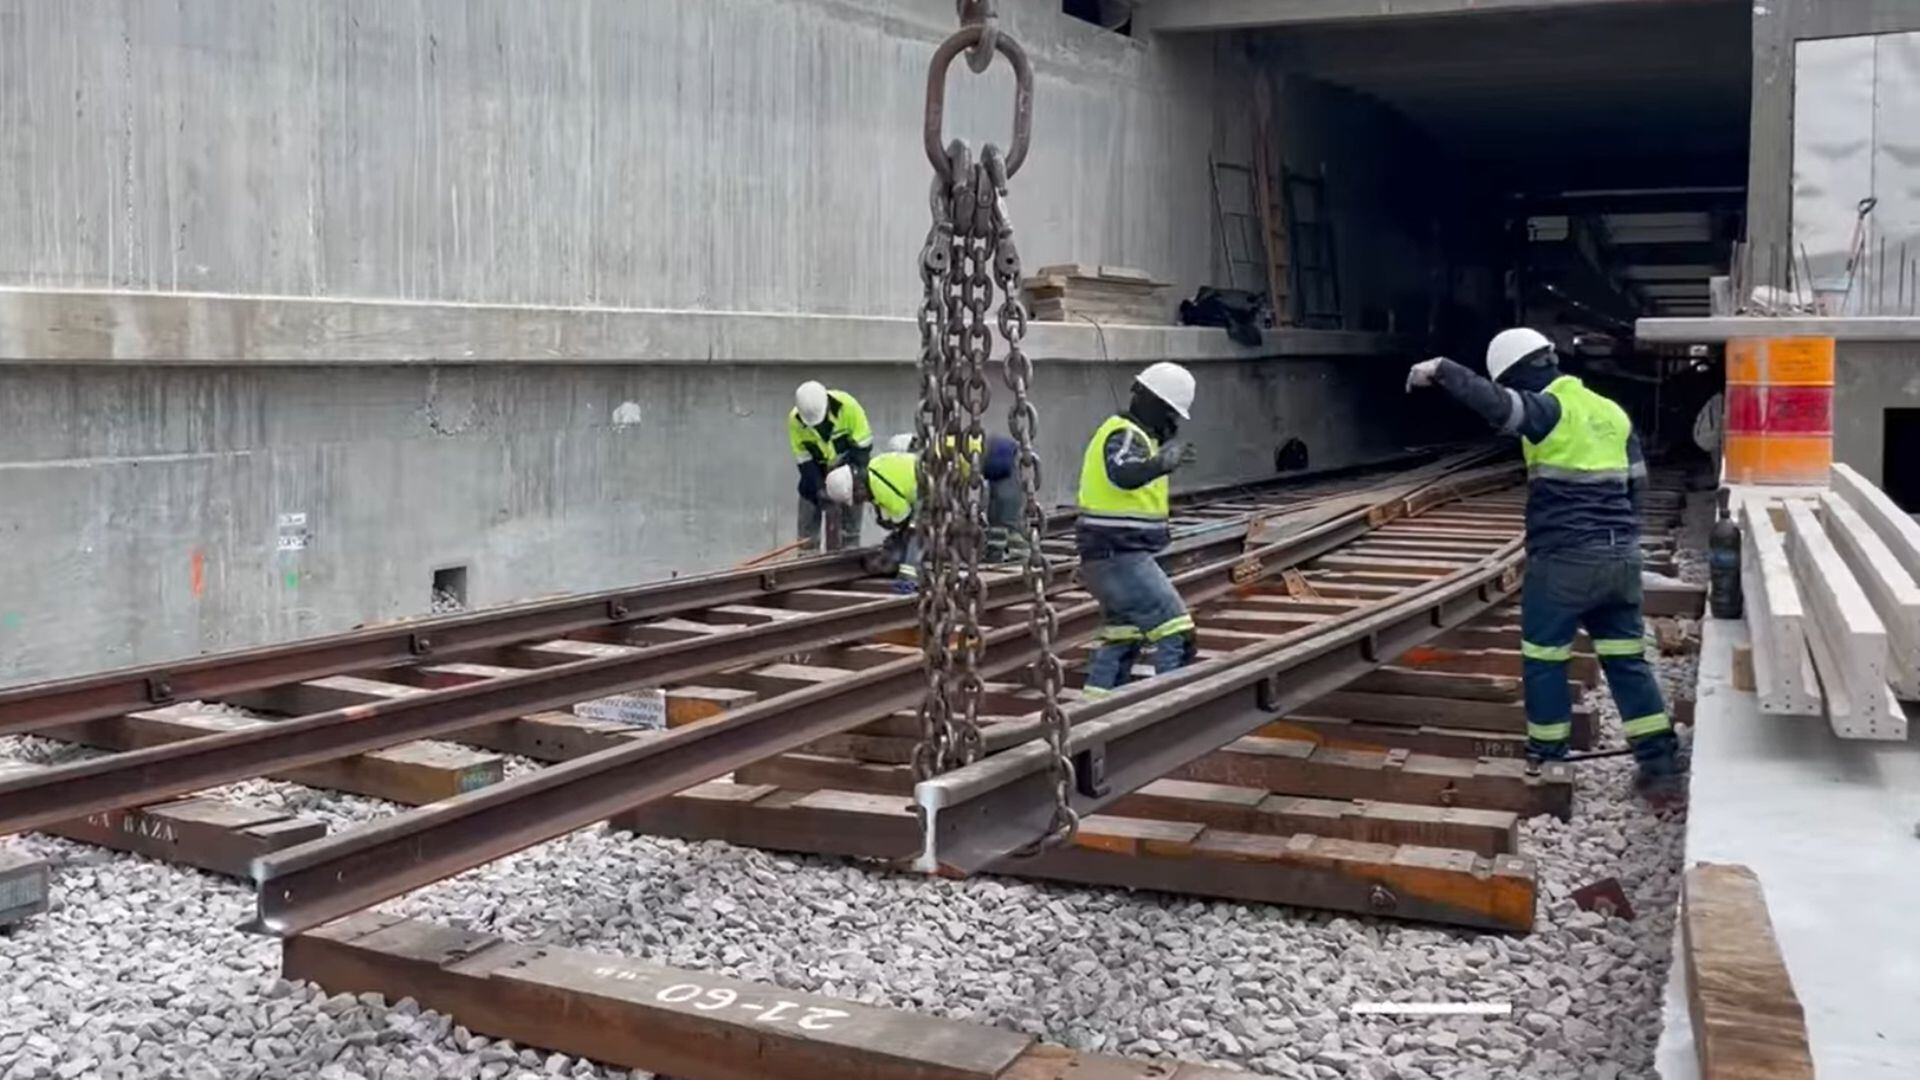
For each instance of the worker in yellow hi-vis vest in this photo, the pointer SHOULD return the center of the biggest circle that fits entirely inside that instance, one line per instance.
(892, 486)
(827, 429)
(1585, 477)
(1123, 525)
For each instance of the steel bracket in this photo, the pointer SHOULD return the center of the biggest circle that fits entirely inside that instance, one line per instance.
(1381, 900)
(1090, 772)
(769, 580)
(159, 689)
(1266, 694)
(419, 644)
(1370, 648)
(617, 609)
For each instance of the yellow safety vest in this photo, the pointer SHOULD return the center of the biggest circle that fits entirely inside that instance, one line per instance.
(894, 487)
(847, 429)
(1104, 503)
(1589, 443)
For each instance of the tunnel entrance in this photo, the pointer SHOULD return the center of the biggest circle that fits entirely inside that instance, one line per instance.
(1571, 170)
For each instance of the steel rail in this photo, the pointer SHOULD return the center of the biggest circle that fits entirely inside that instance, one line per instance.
(138, 777)
(307, 885)
(113, 693)
(986, 811)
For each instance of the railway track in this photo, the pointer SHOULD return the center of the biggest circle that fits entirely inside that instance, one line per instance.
(1348, 740)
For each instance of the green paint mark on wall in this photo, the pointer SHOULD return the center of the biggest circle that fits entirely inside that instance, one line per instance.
(292, 579)
(11, 621)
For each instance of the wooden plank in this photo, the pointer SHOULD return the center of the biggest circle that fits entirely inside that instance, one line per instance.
(812, 772)
(1262, 623)
(1394, 679)
(1845, 635)
(199, 831)
(1891, 590)
(1498, 636)
(692, 704)
(1297, 767)
(1583, 667)
(822, 599)
(1681, 600)
(1419, 568)
(412, 774)
(25, 884)
(1422, 738)
(1404, 881)
(640, 1016)
(1742, 669)
(1776, 618)
(1252, 810)
(770, 680)
(1747, 1020)
(1505, 717)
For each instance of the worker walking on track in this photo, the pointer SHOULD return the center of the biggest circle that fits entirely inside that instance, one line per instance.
(893, 488)
(1585, 478)
(1123, 525)
(827, 429)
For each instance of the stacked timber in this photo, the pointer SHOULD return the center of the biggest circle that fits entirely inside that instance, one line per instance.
(1118, 294)
(1832, 605)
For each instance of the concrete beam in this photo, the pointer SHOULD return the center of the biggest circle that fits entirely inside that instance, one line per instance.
(1213, 15)
(82, 327)
(1846, 636)
(1727, 327)
(1776, 618)
(1895, 597)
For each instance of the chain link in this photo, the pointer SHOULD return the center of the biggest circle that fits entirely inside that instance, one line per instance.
(969, 256)
(1023, 424)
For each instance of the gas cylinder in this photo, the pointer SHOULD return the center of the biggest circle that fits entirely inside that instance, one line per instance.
(1723, 562)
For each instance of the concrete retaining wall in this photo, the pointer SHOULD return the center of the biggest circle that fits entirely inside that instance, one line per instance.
(155, 510)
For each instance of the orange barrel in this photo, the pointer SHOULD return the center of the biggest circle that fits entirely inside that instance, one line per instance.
(1779, 427)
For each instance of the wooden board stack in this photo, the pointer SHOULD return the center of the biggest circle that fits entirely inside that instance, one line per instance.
(1118, 294)
(1832, 605)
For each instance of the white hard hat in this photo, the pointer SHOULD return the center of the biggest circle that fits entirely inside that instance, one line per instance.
(1509, 347)
(1172, 384)
(900, 444)
(810, 401)
(840, 485)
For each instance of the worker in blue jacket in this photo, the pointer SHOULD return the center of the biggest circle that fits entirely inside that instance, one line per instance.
(1585, 476)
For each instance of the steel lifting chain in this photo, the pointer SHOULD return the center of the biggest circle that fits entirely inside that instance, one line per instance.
(969, 254)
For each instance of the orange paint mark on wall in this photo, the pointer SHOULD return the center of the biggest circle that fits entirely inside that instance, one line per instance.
(197, 571)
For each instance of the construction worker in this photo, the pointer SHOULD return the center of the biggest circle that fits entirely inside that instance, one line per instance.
(1123, 525)
(893, 489)
(1585, 479)
(1006, 499)
(827, 429)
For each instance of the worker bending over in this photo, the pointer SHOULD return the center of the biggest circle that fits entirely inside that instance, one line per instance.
(827, 429)
(1123, 525)
(1585, 478)
(1006, 500)
(893, 488)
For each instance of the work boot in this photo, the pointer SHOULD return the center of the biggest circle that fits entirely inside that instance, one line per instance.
(1661, 778)
(1539, 753)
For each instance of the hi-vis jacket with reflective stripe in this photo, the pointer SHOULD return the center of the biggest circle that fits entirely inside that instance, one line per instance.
(1584, 464)
(1116, 518)
(843, 433)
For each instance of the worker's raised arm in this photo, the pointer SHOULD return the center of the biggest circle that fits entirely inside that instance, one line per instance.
(1510, 411)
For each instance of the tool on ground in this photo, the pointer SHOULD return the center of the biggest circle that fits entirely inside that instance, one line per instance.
(770, 556)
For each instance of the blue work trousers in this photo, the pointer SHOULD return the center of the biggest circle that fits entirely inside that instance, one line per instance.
(1139, 609)
(1599, 589)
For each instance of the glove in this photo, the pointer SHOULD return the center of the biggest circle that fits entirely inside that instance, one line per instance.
(906, 586)
(1424, 373)
(812, 478)
(1176, 453)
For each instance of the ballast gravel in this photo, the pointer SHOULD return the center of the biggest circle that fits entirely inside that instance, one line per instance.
(139, 971)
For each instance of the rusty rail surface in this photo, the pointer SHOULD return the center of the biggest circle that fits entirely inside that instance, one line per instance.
(313, 883)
